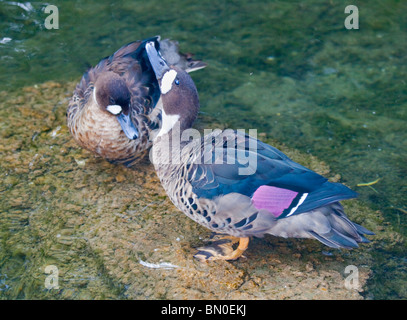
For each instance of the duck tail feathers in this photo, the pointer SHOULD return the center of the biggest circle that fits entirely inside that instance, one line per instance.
(343, 233)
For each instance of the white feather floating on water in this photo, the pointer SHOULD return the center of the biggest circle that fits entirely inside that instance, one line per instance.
(5, 40)
(162, 265)
(25, 6)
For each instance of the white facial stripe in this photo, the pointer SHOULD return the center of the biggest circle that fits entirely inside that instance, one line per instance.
(114, 109)
(303, 197)
(167, 80)
(168, 123)
(94, 95)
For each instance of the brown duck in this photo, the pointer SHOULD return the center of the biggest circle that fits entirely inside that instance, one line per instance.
(271, 194)
(116, 104)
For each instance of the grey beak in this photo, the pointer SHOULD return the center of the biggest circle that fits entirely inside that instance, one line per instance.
(157, 61)
(127, 126)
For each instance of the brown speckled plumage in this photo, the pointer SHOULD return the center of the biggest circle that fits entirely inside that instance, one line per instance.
(203, 179)
(219, 214)
(99, 131)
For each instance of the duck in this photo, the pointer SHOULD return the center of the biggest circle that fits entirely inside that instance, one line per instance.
(116, 104)
(211, 181)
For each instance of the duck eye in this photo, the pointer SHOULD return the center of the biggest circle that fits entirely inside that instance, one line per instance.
(176, 81)
(111, 101)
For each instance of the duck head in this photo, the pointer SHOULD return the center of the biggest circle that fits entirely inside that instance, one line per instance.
(178, 93)
(112, 95)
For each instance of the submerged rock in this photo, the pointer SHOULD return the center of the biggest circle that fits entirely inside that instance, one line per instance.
(104, 226)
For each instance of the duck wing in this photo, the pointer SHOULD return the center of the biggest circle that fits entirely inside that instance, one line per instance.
(234, 162)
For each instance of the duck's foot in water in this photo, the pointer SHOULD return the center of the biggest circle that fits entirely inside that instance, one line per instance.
(221, 248)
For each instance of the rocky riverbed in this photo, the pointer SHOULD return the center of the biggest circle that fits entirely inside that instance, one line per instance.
(112, 233)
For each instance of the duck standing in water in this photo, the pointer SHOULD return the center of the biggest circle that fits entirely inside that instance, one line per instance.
(116, 105)
(277, 196)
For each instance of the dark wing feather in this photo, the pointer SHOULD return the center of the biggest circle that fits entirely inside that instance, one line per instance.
(273, 168)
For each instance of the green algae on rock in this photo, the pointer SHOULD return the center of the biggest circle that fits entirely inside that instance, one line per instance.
(104, 226)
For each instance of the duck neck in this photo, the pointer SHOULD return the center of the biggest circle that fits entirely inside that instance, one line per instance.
(169, 122)
(173, 125)
(173, 137)
(168, 149)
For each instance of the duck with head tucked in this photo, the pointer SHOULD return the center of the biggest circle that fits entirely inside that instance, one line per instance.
(116, 104)
(275, 195)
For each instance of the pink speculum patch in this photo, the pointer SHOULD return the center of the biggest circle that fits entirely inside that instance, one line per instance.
(273, 199)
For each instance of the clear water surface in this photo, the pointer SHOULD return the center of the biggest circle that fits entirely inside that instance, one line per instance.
(287, 68)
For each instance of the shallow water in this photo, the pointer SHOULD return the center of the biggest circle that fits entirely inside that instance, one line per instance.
(289, 69)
